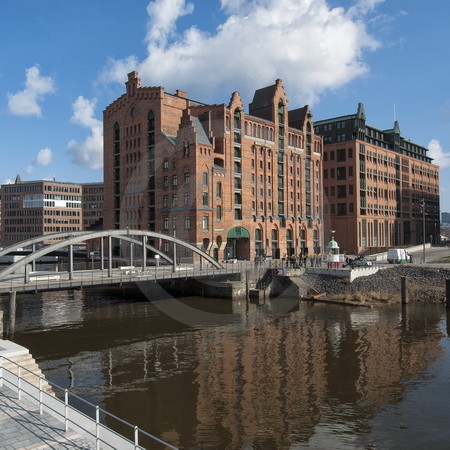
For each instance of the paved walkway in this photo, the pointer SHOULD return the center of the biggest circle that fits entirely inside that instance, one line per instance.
(22, 427)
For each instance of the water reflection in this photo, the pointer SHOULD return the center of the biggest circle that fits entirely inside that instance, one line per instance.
(317, 375)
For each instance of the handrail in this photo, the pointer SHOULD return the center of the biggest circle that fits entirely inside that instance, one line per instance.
(44, 401)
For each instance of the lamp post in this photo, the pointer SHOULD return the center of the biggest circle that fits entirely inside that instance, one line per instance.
(422, 205)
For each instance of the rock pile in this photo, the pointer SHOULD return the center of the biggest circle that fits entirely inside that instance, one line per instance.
(424, 285)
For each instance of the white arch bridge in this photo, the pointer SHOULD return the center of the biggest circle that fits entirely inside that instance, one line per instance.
(69, 239)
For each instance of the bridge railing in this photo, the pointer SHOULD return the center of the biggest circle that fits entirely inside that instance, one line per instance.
(89, 423)
(62, 280)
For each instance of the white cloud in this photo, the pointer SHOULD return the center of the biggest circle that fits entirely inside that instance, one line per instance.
(311, 47)
(26, 102)
(440, 157)
(44, 157)
(88, 153)
(163, 17)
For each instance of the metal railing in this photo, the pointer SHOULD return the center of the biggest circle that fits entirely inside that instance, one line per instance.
(72, 417)
(90, 278)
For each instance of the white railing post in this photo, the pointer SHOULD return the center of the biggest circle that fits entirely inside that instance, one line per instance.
(66, 409)
(41, 409)
(19, 383)
(97, 427)
(136, 437)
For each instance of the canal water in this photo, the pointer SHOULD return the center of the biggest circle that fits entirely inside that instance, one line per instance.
(220, 374)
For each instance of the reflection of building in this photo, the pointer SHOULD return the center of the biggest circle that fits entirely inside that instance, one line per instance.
(231, 183)
(264, 381)
(375, 183)
(271, 386)
(38, 208)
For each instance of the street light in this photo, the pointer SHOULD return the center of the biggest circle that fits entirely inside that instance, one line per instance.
(422, 205)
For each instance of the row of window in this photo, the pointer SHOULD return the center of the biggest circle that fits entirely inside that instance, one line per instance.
(340, 173)
(341, 154)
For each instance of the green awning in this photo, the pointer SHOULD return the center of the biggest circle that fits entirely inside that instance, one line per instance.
(238, 233)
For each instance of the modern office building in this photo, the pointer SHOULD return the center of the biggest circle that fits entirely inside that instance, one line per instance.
(236, 185)
(37, 208)
(445, 218)
(92, 205)
(380, 189)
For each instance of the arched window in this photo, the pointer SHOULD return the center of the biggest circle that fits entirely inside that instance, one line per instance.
(289, 242)
(275, 248)
(303, 247)
(280, 112)
(237, 119)
(258, 241)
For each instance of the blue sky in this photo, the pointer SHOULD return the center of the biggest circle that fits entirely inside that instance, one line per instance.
(63, 62)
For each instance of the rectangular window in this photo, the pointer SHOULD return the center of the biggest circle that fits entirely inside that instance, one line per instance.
(342, 191)
(341, 173)
(174, 181)
(174, 200)
(340, 155)
(205, 223)
(187, 178)
(187, 223)
(165, 182)
(186, 199)
(165, 201)
(342, 209)
(166, 223)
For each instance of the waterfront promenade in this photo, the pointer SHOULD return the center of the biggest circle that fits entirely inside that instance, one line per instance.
(22, 427)
(33, 417)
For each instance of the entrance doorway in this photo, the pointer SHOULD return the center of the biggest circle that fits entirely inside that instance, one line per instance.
(238, 244)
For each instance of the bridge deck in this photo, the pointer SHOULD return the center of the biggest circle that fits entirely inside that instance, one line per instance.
(92, 278)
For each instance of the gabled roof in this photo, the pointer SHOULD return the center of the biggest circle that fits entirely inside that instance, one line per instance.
(170, 138)
(263, 97)
(202, 137)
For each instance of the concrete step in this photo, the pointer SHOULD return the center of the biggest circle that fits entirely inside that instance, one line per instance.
(29, 370)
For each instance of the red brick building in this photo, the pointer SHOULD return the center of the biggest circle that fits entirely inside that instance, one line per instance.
(231, 183)
(380, 189)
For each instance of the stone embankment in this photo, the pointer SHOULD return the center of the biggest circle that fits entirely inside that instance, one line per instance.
(425, 285)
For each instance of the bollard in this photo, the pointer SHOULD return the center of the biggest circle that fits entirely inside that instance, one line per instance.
(447, 292)
(404, 290)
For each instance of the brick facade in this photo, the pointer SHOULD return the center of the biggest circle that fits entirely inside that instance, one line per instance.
(376, 184)
(234, 184)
